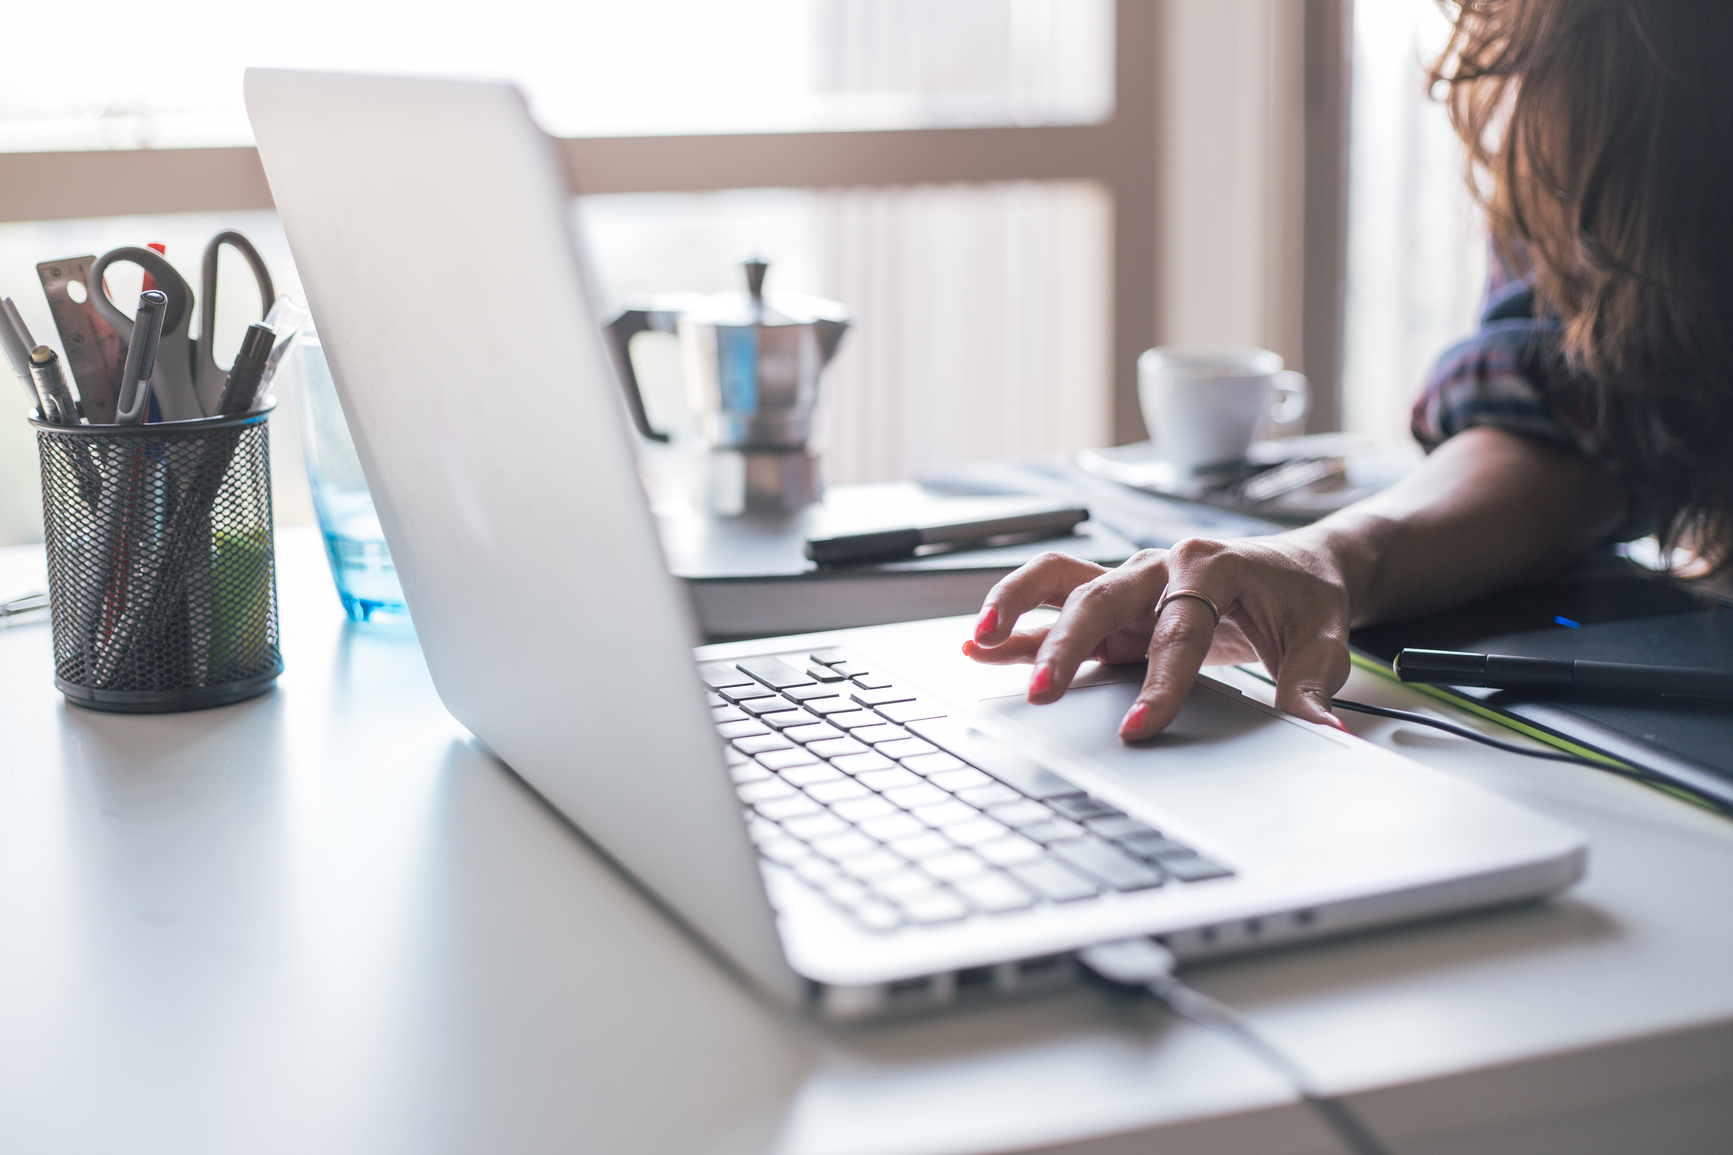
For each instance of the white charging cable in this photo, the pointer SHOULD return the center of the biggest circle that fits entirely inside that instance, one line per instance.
(1146, 964)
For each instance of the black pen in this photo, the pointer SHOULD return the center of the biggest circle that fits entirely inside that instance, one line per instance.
(241, 390)
(891, 544)
(1504, 672)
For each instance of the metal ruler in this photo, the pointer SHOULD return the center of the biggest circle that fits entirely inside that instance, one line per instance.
(94, 351)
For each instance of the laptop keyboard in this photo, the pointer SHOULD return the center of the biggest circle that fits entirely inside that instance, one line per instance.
(902, 816)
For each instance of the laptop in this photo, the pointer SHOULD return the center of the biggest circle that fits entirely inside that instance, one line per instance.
(860, 822)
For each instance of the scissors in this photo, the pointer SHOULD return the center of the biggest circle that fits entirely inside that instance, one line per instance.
(187, 383)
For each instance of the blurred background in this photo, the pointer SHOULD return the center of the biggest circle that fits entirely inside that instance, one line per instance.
(1014, 196)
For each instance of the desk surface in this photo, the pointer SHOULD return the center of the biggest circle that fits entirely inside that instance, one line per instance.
(328, 920)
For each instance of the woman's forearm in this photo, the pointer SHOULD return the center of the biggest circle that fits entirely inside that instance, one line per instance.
(1488, 508)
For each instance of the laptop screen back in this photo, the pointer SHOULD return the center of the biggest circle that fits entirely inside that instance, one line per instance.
(430, 224)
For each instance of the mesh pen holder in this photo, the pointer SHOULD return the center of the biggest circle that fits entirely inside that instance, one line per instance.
(162, 578)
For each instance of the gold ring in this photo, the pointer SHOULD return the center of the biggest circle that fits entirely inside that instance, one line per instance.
(1204, 598)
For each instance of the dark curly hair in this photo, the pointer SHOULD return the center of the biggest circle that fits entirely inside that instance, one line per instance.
(1600, 144)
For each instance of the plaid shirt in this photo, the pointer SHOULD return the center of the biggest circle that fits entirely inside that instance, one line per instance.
(1511, 375)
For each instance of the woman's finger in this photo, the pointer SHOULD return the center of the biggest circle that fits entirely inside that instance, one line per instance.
(1308, 676)
(1021, 646)
(1094, 612)
(1177, 648)
(1045, 580)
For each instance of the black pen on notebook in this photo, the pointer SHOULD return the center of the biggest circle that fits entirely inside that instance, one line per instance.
(1505, 672)
(892, 544)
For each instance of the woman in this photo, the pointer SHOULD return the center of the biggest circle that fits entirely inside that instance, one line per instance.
(1596, 399)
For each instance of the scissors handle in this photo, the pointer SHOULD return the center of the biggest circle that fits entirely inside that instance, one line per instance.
(209, 379)
(168, 280)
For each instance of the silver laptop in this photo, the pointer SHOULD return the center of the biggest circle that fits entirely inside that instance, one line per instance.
(859, 820)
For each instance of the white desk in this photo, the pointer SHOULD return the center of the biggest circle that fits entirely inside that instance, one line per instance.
(325, 920)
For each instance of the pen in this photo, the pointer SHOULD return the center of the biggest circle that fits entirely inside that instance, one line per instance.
(890, 544)
(1501, 671)
(141, 357)
(54, 397)
(241, 391)
(17, 345)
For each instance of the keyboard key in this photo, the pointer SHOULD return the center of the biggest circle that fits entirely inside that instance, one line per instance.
(872, 681)
(811, 775)
(713, 699)
(783, 850)
(815, 826)
(836, 747)
(993, 794)
(815, 732)
(752, 793)
(732, 756)
(848, 668)
(909, 797)
(1053, 830)
(997, 758)
(781, 809)
(761, 829)
(911, 711)
(749, 692)
(946, 813)
(717, 675)
(1010, 851)
(723, 714)
(1153, 845)
(904, 748)
(810, 693)
(1116, 869)
(872, 864)
(1024, 812)
(774, 672)
(955, 780)
(918, 847)
(891, 827)
(883, 732)
(855, 718)
(1081, 807)
(860, 763)
(995, 893)
(845, 891)
(888, 779)
(847, 844)
(815, 870)
(958, 864)
(1118, 827)
(974, 832)
(783, 759)
(878, 917)
(773, 704)
(823, 674)
(934, 762)
(824, 707)
(748, 772)
(904, 884)
(939, 907)
(760, 743)
(840, 790)
(881, 697)
(788, 719)
(1054, 882)
(742, 729)
(828, 657)
(1194, 868)
(861, 809)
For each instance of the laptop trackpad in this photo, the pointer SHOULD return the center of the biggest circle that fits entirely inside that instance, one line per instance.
(1215, 728)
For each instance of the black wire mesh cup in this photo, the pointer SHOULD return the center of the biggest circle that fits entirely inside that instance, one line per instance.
(162, 579)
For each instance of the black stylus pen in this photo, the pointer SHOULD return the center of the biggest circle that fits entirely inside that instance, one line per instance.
(1501, 671)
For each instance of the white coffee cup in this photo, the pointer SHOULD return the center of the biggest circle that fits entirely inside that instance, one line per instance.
(1203, 406)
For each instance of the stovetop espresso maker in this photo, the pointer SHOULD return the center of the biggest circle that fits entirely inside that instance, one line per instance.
(752, 367)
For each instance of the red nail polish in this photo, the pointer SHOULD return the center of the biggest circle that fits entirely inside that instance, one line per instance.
(987, 622)
(1041, 680)
(1134, 719)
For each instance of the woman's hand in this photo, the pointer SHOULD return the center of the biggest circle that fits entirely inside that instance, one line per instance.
(1282, 601)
